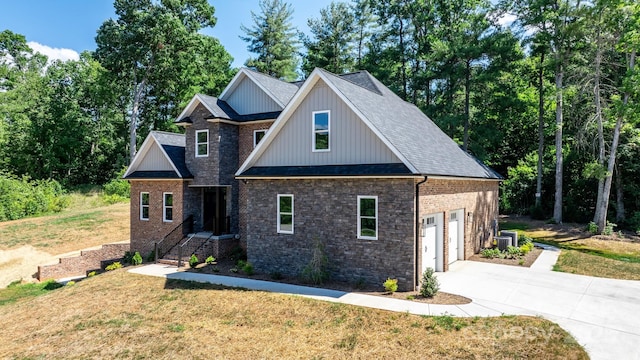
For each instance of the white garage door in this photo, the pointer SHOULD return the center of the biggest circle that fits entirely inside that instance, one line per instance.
(453, 236)
(429, 235)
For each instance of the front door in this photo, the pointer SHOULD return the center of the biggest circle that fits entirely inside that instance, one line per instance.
(214, 210)
(429, 235)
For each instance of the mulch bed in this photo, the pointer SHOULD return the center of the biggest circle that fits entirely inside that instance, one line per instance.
(529, 259)
(224, 267)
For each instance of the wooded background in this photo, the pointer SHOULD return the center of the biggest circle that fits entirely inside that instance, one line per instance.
(544, 91)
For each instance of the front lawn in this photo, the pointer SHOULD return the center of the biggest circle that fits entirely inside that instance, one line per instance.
(123, 315)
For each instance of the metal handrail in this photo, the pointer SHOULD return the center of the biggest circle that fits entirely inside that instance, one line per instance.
(181, 246)
(160, 244)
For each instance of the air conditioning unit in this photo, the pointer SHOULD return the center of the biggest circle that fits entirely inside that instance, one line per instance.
(513, 235)
(503, 242)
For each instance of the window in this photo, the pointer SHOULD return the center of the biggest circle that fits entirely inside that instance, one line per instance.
(167, 207)
(321, 128)
(202, 143)
(368, 217)
(257, 136)
(285, 214)
(144, 206)
(453, 216)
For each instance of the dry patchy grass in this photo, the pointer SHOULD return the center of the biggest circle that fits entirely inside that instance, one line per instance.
(122, 315)
(577, 262)
(85, 224)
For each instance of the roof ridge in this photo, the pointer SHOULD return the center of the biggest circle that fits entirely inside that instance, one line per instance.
(378, 92)
(166, 132)
(267, 75)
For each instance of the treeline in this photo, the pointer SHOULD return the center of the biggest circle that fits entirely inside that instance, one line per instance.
(21, 197)
(545, 92)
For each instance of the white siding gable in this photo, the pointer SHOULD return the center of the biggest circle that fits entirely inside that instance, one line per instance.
(154, 160)
(352, 141)
(248, 98)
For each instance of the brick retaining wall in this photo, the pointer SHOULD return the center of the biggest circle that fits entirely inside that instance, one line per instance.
(79, 265)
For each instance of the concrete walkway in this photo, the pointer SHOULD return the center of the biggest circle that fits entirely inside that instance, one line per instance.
(602, 314)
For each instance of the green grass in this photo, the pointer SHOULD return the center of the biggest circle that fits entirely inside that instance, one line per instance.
(590, 251)
(16, 291)
(513, 225)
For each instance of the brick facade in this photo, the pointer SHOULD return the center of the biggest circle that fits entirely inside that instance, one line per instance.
(245, 147)
(480, 198)
(327, 210)
(144, 233)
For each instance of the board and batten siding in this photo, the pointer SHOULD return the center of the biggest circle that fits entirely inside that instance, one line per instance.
(248, 98)
(154, 160)
(351, 140)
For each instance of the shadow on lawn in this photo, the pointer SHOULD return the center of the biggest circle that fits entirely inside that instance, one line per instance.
(195, 285)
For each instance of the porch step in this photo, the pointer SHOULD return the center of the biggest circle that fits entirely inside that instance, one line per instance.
(170, 262)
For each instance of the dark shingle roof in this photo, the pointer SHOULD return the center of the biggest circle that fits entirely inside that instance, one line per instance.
(418, 139)
(329, 170)
(282, 90)
(145, 175)
(221, 110)
(174, 145)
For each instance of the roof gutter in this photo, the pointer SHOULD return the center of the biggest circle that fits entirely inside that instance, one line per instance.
(417, 249)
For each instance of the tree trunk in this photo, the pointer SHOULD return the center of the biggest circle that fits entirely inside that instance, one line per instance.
(602, 220)
(403, 60)
(601, 150)
(133, 125)
(557, 207)
(467, 91)
(620, 211)
(540, 130)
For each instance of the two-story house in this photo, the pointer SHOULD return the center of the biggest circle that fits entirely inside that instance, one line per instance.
(338, 159)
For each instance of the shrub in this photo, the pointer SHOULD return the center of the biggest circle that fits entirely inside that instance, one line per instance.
(247, 268)
(391, 285)
(276, 275)
(113, 266)
(21, 197)
(136, 259)
(210, 260)
(592, 228)
(71, 283)
(430, 285)
(526, 248)
(316, 270)
(513, 252)
(118, 186)
(151, 256)
(128, 257)
(193, 261)
(237, 253)
(490, 253)
(608, 229)
(91, 274)
(524, 239)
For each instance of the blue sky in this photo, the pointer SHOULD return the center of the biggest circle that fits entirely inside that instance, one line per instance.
(63, 28)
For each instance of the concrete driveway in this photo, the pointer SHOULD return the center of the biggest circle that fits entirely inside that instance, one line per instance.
(602, 314)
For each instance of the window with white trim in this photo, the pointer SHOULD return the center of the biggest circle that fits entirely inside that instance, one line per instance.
(257, 136)
(321, 130)
(285, 213)
(368, 217)
(202, 143)
(167, 207)
(144, 206)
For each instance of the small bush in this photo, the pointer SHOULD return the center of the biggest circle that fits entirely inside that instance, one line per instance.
(526, 248)
(592, 228)
(128, 257)
(248, 269)
(490, 253)
(71, 283)
(118, 186)
(22, 197)
(113, 266)
(276, 275)
(513, 252)
(210, 260)
(608, 229)
(151, 256)
(91, 274)
(430, 285)
(136, 259)
(391, 285)
(193, 261)
(316, 271)
(238, 253)
(524, 239)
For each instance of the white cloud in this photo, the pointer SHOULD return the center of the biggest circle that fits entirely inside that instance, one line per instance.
(54, 53)
(507, 19)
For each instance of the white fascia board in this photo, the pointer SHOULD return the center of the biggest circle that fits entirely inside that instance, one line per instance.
(364, 119)
(313, 78)
(192, 106)
(144, 148)
(168, 158)
(280, 121)
(233, 84)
